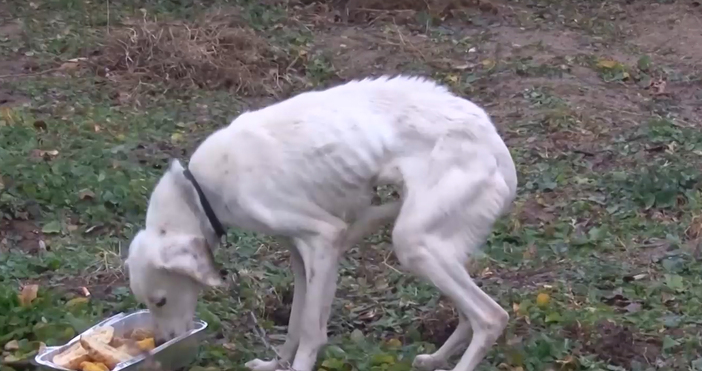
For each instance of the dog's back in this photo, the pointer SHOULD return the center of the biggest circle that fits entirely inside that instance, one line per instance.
(333, 145)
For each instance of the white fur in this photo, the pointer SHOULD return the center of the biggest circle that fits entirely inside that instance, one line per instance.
(304, 170)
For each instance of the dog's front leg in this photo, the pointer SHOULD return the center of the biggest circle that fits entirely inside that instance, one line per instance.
(288, 349)
(321, 258)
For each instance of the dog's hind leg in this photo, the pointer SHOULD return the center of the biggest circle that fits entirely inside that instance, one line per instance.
(458, 340)
(292, 340)
(446, 216)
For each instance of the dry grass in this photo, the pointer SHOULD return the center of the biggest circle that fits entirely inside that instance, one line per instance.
(217, 51)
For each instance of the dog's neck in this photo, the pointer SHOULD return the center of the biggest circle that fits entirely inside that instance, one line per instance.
(216, 225)
(175, 206)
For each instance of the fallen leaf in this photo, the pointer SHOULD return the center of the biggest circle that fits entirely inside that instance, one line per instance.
(607, 63)
(86, 194)
(28, 294)
(488, 63)
(229, 346)
(463, 67)
(542, 300)
(45, 155)
(7, 115)
(12, 345)
(76, 301)
(68, 66)
(394, 343)
(10, 359)
(568, 363)
(176, 137)
(658, 86)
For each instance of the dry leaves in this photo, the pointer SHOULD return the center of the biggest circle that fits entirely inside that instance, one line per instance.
(12, 345)
(28, 294)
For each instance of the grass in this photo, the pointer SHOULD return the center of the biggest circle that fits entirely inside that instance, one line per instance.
(607, 221)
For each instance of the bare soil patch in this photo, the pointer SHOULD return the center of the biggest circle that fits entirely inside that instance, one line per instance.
(22, 234)
(10, 98)
(613, 343)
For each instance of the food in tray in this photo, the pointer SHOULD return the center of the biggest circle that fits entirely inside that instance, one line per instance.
(101, 350)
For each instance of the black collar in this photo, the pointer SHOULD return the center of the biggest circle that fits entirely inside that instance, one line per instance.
(216, 224)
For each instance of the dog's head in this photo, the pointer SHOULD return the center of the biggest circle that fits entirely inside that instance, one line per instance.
(170, 261)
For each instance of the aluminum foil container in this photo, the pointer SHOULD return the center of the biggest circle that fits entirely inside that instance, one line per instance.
(172, 355)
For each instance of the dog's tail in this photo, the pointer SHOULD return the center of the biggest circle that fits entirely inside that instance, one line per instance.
(370, 220)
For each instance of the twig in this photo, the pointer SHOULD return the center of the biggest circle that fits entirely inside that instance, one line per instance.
(261, 333)
(29, 74)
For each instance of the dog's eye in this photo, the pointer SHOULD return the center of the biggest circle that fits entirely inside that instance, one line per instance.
(161, 303)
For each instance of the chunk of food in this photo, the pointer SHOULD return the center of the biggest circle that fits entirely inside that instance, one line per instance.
(101, 352)
(76, 354)
(129, 348)
(147, 344)
(139, 334)
(93, 366)
(72, 357)
(103, 334)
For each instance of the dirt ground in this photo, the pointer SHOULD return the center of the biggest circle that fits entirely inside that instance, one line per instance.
(583, 73)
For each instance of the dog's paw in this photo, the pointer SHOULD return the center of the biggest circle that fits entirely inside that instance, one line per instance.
(261, 365)
(427, 362)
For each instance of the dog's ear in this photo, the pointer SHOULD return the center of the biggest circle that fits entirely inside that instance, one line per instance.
(175, 166)
(192, 257)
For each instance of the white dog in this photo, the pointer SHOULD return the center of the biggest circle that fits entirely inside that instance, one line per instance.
(304, 170)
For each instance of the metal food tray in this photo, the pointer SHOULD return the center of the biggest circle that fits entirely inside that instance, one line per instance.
(172, 355)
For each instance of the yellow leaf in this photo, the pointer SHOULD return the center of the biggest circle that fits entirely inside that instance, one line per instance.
(607, 63)
(76, 301)
(488, 63)
(542, 300)
(12, 345)
(28, 294)
(10, 359)
(176, 137)
(394, 343)
(452, 78)
(6, 114)
(625, 75)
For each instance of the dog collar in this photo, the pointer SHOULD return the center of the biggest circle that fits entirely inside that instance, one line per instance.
(216, 224)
